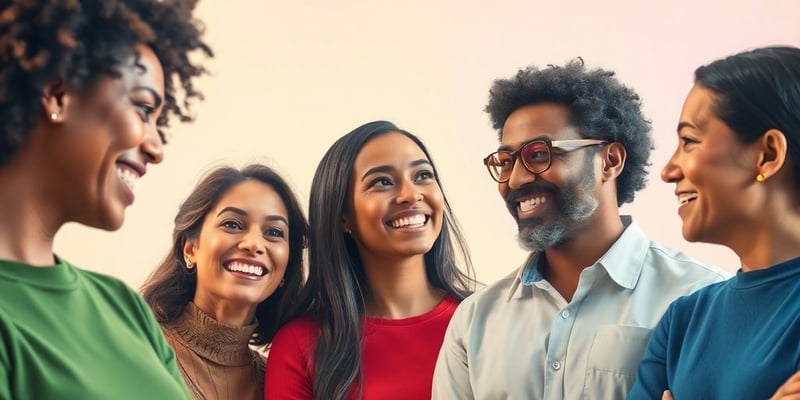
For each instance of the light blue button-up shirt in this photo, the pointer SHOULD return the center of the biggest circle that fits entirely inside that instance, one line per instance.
(520, 339)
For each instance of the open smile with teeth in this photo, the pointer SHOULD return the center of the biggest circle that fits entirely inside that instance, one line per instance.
(530, 204)
(684, 198)
(254, 270)
(128, 177)
(413, 221)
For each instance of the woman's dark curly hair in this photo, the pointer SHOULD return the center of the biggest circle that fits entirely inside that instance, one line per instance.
(600, 107)
(79, 41)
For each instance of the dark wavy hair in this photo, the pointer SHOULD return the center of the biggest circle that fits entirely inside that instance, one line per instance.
(170, 287)
(600, 107)
(79, 41)
(758, 90)
(334, 292)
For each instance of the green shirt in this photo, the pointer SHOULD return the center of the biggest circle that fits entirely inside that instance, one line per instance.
(67, 333)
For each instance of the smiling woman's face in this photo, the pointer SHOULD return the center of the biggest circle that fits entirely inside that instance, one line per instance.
(396, 205)
(712, 170)
(105, 139)
(243, 248)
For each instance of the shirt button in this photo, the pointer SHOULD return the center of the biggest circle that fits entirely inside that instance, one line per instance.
(556, 365)
(565, 314)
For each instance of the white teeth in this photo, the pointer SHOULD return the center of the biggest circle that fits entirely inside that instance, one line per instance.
(128, 177)
(529, 204)
(414, 220)
(684, 198)
(246, 268)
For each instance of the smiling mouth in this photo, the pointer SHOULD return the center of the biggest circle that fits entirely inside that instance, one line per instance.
(414, 221)
(686, 197)
(248, 269)
(128, 176)
(530, 204)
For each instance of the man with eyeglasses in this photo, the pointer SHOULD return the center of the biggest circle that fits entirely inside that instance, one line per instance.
(574, 320)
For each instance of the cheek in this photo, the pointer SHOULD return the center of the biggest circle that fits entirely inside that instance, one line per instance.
(436, 200)
(279, 256)
(503, 189)
(128, 128)
(367, 213)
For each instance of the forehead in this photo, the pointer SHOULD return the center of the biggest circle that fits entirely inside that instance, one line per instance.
(144, 69)
(537, 120)
(698, 105)
(391, 148)
(253, 196)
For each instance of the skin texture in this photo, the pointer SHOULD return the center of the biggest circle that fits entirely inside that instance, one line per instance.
(67, 169)
(579, 219)
(249, 225)
(564, 192)
(393, 179)
(713, 164)
(788, 391)
(110, 128)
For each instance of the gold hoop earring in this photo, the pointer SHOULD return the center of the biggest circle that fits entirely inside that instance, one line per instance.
(760, 178)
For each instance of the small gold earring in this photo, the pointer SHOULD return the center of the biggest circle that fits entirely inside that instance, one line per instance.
(760, 178)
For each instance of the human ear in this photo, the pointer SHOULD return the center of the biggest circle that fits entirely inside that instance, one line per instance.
(189, 250)
(772, 153)
(614, 156)
(54, 101)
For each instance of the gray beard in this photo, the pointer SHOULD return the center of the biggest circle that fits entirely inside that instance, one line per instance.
(573, 207)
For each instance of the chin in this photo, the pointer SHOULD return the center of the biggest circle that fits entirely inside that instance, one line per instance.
(690, 235)
(110, 220)
(418, 250)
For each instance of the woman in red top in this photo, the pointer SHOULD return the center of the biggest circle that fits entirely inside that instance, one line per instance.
(383, 281)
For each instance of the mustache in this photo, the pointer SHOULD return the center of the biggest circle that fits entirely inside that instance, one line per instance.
(513, 196)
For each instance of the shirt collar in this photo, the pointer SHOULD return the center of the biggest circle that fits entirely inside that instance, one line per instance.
(623, 261)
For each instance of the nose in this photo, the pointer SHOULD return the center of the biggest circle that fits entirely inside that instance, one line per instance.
(520, 176)
(253, 242)
(408, 192)
(153, 145)
(671, 172)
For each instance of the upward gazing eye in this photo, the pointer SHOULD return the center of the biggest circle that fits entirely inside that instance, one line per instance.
(232, 225)
(380, 182)
(424, 175)
(536, 152)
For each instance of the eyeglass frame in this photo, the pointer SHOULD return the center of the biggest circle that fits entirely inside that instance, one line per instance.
(564, 146)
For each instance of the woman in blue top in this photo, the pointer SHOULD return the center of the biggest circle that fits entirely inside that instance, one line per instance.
(737, 180)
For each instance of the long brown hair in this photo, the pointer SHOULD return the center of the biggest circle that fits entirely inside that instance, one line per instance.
(170, 287)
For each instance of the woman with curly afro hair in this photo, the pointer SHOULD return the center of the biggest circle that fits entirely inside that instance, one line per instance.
(85, 88)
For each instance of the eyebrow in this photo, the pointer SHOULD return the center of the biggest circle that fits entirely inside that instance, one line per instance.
(243, 213)
(389, 168)
(509, 148)
(158, 100)
(685, 124)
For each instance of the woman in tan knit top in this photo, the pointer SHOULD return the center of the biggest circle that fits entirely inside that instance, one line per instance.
(235, 265)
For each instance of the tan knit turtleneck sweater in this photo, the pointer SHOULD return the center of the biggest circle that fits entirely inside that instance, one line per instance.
(214, 358)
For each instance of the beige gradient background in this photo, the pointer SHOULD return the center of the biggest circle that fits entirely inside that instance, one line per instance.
(290, 77)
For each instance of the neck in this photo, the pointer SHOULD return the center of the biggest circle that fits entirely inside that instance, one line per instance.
(399, 288)
(28, 217)
(226, 312)
(585, 245)
(768, 240)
